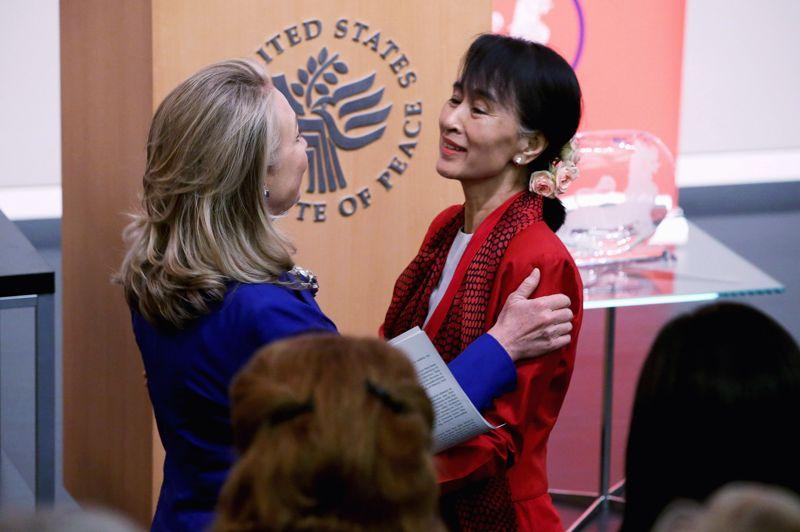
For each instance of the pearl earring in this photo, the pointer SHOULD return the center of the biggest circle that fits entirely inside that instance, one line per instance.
(266, 193)
(518, 159)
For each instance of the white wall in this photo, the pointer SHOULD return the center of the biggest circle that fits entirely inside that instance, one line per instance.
(741, 92)
(738, 124)
(741, 76)
(30, 99)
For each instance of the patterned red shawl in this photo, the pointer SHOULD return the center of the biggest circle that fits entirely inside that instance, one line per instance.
(459, 319)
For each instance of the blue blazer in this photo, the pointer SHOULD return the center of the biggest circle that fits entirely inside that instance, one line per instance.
(189, 372)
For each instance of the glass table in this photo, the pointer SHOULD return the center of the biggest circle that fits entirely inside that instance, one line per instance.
(702, 269)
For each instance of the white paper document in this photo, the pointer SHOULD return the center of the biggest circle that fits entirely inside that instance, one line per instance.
(455, 417)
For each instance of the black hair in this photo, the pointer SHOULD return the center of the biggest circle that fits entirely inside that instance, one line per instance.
(714, 404)
(535, 81)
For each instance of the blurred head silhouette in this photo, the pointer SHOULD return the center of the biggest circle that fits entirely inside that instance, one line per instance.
(738, 507)
(334, 434)
(714, 404)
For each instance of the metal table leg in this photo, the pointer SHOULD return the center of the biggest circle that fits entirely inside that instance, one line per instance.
(608, 394)
(45, 400)
(606, 497)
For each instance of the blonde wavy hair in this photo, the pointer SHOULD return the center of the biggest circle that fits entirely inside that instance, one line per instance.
(204, 219)
(333, 434)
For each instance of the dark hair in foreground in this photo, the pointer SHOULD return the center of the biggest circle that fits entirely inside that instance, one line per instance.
(334, 434)
(716, 402)
(535, 81)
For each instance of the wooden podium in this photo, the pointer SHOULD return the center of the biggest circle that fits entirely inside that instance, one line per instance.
(367, 79)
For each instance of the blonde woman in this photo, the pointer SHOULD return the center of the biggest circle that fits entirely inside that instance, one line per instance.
(209, 279)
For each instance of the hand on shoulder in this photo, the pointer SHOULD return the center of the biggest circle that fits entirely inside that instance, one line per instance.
(527, 328)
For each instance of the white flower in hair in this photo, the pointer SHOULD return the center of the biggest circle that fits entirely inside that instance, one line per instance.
(569, 153)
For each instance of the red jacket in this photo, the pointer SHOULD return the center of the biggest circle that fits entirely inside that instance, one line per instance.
(529, 413)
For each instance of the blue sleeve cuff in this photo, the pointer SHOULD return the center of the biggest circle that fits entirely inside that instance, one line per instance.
(485, 371)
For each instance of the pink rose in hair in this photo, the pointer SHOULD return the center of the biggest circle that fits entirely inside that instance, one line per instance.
(565, 174)
(573, 172)
(542, 183)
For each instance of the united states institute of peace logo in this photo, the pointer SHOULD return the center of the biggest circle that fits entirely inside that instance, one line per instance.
(340, 111)
(333, 116)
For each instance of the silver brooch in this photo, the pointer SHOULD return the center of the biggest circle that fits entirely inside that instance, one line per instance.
(305, 279)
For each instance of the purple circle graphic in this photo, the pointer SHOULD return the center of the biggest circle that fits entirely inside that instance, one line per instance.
(581, 33)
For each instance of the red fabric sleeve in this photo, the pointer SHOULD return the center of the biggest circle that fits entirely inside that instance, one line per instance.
(530, 411)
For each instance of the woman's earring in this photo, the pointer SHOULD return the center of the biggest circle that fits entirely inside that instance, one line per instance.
(266, 193)
(518, 159)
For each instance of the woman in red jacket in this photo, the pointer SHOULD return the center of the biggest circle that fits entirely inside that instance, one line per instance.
(506, 137)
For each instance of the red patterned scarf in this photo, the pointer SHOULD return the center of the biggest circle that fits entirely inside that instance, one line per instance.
(459, 320)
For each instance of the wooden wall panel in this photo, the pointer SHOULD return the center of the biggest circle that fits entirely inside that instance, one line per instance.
(106, 94)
